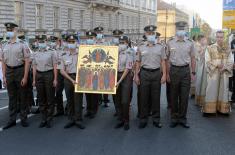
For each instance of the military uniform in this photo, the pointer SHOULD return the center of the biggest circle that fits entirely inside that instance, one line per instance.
(60, 84)
(122, 97)
(13, 57)
(180, 54)
(91, 99)
(44, 62)
(101, 41)
(74, 100)
(150, 58)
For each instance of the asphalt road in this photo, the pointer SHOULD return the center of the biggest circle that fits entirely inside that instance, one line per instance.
(207, 136)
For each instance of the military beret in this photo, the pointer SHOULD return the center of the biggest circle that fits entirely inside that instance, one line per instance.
(90, 34)
(10, 25)
(53, 38)
(150, 28)
(98, 29)
(117, 32)
(181, 24)
(158, 34)
(72, 37)
(41, 37)
(123, 38)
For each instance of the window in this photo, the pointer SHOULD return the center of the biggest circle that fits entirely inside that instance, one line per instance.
(56, 16)
(70, 18)
(110, 21)
(19, 14)
(39, 16)
(81, 19)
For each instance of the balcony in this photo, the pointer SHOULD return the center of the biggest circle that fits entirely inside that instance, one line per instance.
(111, 5)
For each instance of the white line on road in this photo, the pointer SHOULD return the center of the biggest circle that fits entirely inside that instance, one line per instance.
(18, 121)
(3, 107)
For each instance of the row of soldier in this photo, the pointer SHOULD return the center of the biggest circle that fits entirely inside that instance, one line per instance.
(55, 68)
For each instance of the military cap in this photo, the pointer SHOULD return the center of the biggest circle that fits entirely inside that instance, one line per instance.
(71, 37)
(90, 34)
(150, 28)
(117, 32)
(53, 38)
(64, 36)
(21, 37)
(41, 37)
(158, 34)
(123, 38)
(98, 29)
(181, 25)
(10, 25)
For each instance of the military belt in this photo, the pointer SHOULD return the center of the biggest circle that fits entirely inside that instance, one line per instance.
(150, 70)
(180, 66)
(15, 67)
(45, 71)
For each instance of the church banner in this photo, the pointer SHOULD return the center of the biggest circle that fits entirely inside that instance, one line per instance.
(97, 69)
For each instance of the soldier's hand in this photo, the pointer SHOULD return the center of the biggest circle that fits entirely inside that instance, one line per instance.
(74, 82)
(4, 82)
(34, 84)
(163, 79)
(55, 83)
(168, 78)
(137, 80)
(23, 82)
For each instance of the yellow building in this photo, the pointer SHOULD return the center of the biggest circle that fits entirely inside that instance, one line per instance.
(167, 16)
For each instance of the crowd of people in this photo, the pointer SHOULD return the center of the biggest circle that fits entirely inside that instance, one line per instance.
(50, 65)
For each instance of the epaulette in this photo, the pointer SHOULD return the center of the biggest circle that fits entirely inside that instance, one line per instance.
(190, 40)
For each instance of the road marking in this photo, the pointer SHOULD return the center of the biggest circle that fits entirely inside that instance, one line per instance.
(2, 108)
(18, 121)
(3, 91)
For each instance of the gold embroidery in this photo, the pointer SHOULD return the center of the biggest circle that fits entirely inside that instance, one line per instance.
(223, 107)
(209, 107)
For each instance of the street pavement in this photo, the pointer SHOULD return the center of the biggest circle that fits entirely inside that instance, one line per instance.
(207, 136)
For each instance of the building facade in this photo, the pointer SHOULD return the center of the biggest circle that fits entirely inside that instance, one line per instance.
(129, 15)
(167, 16)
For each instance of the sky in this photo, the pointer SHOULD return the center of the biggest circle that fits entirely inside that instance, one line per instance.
(209, 10)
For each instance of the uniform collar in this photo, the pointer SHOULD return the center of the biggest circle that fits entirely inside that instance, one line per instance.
(177, 39)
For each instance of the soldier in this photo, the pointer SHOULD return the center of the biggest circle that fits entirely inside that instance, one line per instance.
(15, 63)
(54, 44)
(100, 41)
(115, 41)
(181, 54)
(148, 76)
(91, 99)
(124, 84)
(45, 79)
(68, 70)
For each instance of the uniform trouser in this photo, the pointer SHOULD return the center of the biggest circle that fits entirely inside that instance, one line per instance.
(168, 94)
(104, 98)
(138, 100)
(150, 91)
(30, 96)
(74, 100)
(92, 103)
(59, 94)
(16, 93)
(46, 94)
(123, 97)
(180, 88)
(233, 87)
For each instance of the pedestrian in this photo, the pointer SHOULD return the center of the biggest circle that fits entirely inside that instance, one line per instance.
(124, 84)
(181, 54)
(69, 70)
(44, 63)
(151, 57)
(15, 63)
